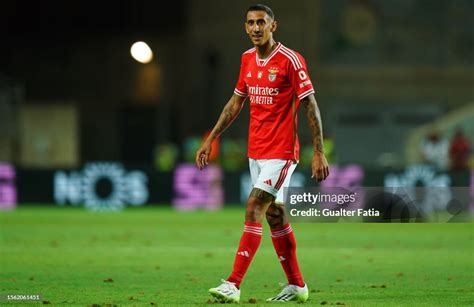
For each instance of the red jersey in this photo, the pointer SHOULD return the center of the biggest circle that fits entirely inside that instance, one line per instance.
(275, 86)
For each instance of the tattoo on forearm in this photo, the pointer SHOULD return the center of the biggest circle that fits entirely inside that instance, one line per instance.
(224, 121)
(227, 116)
(315, 123)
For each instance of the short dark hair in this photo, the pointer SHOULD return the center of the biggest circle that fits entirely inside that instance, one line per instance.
(261, 7)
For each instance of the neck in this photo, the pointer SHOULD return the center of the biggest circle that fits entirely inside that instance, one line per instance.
(265, 50)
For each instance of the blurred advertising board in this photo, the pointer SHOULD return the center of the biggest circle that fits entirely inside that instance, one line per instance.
(194, 189)
(108, 185)
(8, 193)
(98, 186)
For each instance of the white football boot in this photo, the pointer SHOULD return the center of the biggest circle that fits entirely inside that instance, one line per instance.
(291, 293)
(227, 292)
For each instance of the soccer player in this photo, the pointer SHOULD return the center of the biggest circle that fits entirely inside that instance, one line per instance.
(276, 81)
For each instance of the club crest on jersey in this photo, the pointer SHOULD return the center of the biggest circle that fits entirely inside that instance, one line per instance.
(272, 73)
(259, 75)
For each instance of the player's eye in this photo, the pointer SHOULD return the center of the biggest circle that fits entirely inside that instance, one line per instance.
(250, 22)
(261, 22)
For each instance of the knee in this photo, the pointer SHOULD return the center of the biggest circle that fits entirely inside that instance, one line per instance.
(254, 211)
(274, 217)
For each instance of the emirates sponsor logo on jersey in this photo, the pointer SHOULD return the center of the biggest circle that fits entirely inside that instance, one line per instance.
(262, 94)
(263, 90)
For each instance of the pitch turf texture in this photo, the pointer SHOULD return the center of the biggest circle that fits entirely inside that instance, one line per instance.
(153, 256)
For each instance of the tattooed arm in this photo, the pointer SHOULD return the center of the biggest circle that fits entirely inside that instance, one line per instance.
(229, 113)
(319, 165)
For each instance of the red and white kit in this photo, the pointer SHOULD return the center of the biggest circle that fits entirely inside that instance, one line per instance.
(274, 86)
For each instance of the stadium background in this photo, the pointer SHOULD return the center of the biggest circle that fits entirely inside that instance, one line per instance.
(82, 124)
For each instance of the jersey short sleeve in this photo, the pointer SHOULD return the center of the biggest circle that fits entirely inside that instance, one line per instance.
(241, 86)
(299, 77)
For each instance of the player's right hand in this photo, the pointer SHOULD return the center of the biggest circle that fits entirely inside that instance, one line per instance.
(202, 155)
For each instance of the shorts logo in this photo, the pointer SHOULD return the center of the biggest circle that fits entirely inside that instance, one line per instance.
(272, 73)
(259, 75)
(268, 181)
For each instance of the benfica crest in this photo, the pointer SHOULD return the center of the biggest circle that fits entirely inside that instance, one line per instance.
(272, 73)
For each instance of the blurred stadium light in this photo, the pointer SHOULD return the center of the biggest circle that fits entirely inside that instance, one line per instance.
(141, 52)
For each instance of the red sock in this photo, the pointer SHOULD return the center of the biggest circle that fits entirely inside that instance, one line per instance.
(248, 246)
(285, 246)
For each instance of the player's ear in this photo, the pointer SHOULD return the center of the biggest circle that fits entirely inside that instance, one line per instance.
(274, 25)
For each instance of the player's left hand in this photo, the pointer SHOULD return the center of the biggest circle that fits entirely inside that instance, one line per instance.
(319, 167)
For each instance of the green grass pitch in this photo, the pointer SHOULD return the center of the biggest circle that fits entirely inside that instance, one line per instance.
(152, 256)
